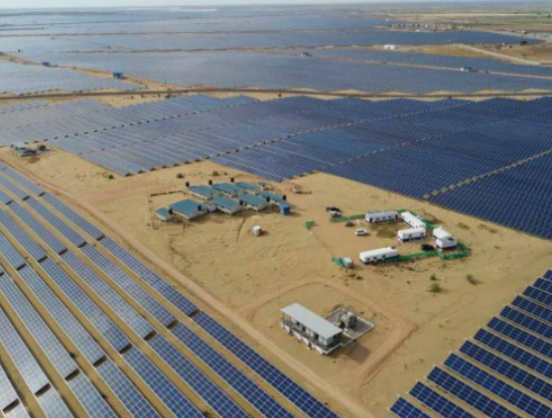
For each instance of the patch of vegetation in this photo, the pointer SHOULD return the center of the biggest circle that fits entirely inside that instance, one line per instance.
(433, 277)
(215, 173)
(472, 280)
(180, 176)
(110, 176)
(487, 228)
(435, 288)
(462, 225)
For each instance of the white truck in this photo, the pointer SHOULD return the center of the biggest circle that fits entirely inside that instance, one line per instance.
(370, 257)
(406, 235)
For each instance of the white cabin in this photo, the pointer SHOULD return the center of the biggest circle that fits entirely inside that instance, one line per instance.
(377, 217)
(411, 234)
(444, 239)
(374, 256)
(412, 220)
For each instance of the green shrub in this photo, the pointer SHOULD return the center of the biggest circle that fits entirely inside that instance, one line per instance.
(435, 288)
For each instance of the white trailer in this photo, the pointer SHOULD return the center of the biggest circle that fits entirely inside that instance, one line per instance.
(444, 239)
(377, 217)
(412, 220)
(411, 234)
(374, 256)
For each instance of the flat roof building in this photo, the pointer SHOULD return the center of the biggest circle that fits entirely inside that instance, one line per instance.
(203, 192)
(226, 205)
(188, 209)
(276, 198)
(253, 202)
(163, 214)
(310, 328)
(227, 189)
(248, 187)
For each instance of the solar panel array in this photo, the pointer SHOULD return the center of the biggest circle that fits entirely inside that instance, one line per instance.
(95, 302)
(17, 78)
(235, 69)
(504, 370)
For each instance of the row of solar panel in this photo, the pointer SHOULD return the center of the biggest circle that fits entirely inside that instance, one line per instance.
(125, 308)
(509, 361)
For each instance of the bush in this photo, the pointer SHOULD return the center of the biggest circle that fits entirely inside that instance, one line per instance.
(215, 173)
(111, 177)
(435, 288)
(180, 176)
(433, 277)
(471, 279)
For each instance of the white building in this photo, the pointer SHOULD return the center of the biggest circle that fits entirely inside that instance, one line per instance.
(411, 234)
(384, 216)
(444, 239)
(381, 254)
(412, 220)
(390, 47)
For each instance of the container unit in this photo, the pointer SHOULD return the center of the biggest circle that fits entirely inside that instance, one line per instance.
(381, 254)
(188, 209)
(412, 220)
(406, 235)
(443, 239)
(384, 216)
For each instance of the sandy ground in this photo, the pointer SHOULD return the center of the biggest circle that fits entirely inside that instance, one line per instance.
(254, 277)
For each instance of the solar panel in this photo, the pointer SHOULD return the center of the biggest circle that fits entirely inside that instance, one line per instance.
(17, 411)
(132, 288)
(437, 402)
(13, 188)
(7, 392)
(82, 302)
(18, 178)
(278, 380)
(10, 254)
(53, 406)
(527, 322)
(179, 405)
(70, 325)
(37, 228)
(248, 389)
(221, 403)
(89, 397)
(108, 294)
(469, 395)
(73, 216)
(144, 273)
(56, 222)
(125, 390)
(34, 323)
(501, 389)
(24, 239)
(26, 364)
(404, 409)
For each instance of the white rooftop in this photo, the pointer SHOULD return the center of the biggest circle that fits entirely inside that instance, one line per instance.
(312, 321)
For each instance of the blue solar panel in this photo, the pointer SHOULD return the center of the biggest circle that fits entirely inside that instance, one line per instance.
(53, 406)
(527, 322)
(278, 380)
(8, 395)
(13, 188)
(404, 409)
(125, 390)
(18, 178)
(469, 395)
(215, 397)
(91, 400)
(257, 397)
(89, 309)
(501, 389)
(24, 239)
(10, 254)
(437, 402)
(144, 273)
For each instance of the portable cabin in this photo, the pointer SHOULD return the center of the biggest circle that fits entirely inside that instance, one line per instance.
(384, 216)
(275, 198)
(443, 239)
(188, 209)
(313, 330)
(203, 192)
(412, 220)
(163, 214)
(227, 189)
(253, 202)
(381, 254)
(390, 47)
(117, 75)
(248, 187)
(406, 235)
(226, 205)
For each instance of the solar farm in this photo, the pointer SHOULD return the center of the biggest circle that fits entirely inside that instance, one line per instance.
(181, 187)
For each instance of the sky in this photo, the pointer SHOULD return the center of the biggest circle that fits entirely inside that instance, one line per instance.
(154, 3)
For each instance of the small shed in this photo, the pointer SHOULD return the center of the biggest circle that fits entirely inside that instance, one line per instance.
(227, 189)
(226, 205)
(117, 75)
(390, 47)
(21, 149)
(163, 214)
(188, 209)
(310, 328)
(253, 202)
(203, 192)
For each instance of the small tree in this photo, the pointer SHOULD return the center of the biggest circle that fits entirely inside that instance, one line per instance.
(433, 277)
(435, 288)
(471, 279)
